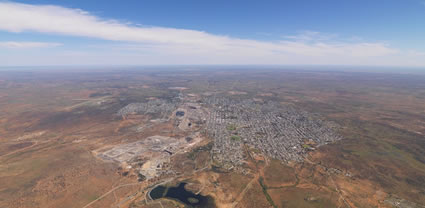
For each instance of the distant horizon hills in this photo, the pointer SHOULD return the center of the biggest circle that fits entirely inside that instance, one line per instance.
(322, 68)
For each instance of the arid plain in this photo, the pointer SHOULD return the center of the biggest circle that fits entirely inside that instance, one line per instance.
(240, 137)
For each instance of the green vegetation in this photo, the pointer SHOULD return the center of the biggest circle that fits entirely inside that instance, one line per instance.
(235, 138)
(264, 187)
(231, 127)
(194, 153)
(306, 146)
(255, 150)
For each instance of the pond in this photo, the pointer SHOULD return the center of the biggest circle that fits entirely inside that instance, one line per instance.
(181, 194)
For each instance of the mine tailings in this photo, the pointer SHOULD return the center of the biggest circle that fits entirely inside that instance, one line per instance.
(181, 194)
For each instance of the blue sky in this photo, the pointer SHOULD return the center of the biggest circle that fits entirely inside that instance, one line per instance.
(134, 32)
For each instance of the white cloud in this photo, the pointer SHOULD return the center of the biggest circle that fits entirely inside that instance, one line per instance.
(187, 45)
(26, 45)
(416, 53)
(307, 36)
(16, 17)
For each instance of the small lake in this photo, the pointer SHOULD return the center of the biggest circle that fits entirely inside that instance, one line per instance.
(181, 194)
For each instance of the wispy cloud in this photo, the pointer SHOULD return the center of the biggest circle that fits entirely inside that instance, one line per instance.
(179, 44)
(416, 53)
(26, 45)
(307, 36)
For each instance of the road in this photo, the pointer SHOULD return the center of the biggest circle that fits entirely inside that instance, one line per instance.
(110, 191)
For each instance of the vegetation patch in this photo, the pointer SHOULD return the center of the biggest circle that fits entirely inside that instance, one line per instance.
(193, 154)
(235, 138)
(306, 146)
(231, 127)
(268, 197)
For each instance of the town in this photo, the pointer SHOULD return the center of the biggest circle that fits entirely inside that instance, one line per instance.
(278, 131)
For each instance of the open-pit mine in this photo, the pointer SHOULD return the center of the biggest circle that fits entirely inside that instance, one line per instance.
(210, 138)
